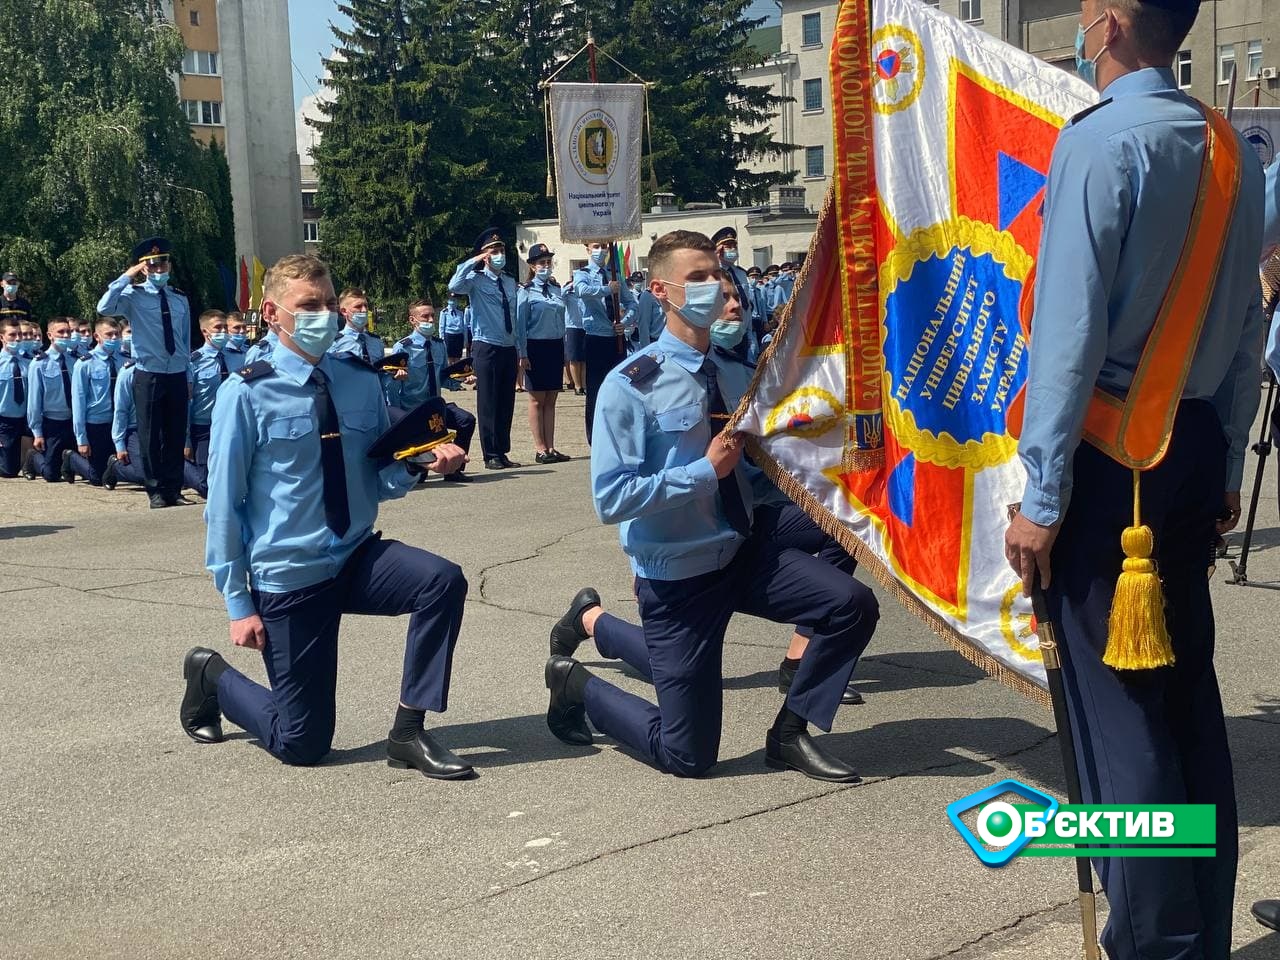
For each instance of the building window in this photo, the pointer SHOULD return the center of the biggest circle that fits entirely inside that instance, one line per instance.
(813, 94)
(1182, 69)
(311, 231)
(205, 113)
(971, 10)
(200, 63)
(308, 200)
(195, 18)
(813, 162)
(1226, 62)
(1253, 55)
(811, 23)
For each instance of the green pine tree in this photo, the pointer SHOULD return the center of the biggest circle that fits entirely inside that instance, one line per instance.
(100, 154)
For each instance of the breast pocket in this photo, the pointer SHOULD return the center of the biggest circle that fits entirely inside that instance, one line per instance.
(681, 418)
(290, 443)
(51, 371)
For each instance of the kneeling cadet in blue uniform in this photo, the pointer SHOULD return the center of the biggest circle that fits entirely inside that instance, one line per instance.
(292, 502)
(677, 488)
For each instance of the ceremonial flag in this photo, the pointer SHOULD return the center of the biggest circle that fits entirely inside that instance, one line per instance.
(882, 404)
(1261, 127)
(596, 130)
(259, 271)
(244, 286)
(228, 285)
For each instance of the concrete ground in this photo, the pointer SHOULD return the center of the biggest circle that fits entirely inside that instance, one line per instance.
(121, 838)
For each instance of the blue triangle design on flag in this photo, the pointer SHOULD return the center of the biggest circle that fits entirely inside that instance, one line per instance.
(1019, 185)
(902, 487)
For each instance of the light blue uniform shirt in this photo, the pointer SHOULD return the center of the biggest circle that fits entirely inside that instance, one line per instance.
(416, 387)
(572, 309)
(367, 346)
(542, 310)
(139, 304)
(591, 284)
(1120, 192)
(92, 400)
(452, 320)
(11, 366)
(206, 378)
(261, 349)
(650, 319)
(265, 514)
(488, 324)
(46, 391)
(650, 472)
(125, 419)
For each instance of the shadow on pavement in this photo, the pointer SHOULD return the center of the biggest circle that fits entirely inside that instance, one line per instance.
(1268, 948)
(23, 532)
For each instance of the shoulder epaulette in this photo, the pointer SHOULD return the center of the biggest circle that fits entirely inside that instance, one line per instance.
(42, 355)
(129, 363)
(642, 369)
(358, 360)
(406, 341)
(194, 354)
(1084, 113)
(257, 369)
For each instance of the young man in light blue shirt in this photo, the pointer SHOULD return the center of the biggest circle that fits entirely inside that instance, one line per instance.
(93, 391)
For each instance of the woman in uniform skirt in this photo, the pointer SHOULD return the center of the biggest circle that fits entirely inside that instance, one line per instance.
(541, 308)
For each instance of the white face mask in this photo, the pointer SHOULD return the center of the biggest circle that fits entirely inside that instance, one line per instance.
(313, 330)
(703, 302)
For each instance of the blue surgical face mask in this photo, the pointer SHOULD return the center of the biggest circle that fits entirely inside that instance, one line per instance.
(239, 339)
(428, 330)
(542, 273)
(703, 302)
(66, 344)
(160, 279)
(597, 257)
(498, 261)
(10, 290)
(359, 319)
(110, 346)
(219, 340)
(729, 256)
(728, 333)
(1085, 67)
(86, 340)
(127, 341)
(453, 303)
(313, 330)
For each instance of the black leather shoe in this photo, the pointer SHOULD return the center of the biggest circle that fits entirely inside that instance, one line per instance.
(494, 463)
(508, 462)
(547, 457)
(787, 676)
(68, 475)
(1267, 913)
(566, 718)
(568, 631)
(178, 501)
(458, 476)
(157, 502)
(27, 470)
(110, 474)
(428, 757)
(561, 457)
(805, 756)
(201, 717)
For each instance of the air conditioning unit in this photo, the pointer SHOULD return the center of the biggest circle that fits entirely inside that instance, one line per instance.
(1267, 73)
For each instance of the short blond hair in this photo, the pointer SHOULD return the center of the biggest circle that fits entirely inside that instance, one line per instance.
(296, 266)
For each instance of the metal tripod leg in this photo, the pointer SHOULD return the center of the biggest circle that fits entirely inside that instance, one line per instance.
(1240, 568)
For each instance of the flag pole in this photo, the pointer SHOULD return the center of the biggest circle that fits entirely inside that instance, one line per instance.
(614, 300)
(1066, 743)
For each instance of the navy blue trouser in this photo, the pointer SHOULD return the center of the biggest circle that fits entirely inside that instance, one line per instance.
(295, 718)
(101, 447)
(681, 642)
(495, 395)
(161, 401)
(1151, 736)
(131, 472)
(601, 355)
(195, 472)
(58, 437)
(12, 430)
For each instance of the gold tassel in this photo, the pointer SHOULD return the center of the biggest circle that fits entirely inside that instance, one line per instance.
(1137, 637)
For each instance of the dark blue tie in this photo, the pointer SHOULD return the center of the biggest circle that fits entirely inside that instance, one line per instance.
(337, 509)
(433, 387)
(735, 510)
(66, 378)
(19, 388)
(506, 304)
(170, 344)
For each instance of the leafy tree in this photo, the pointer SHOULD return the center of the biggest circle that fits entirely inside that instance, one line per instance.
(100, 153)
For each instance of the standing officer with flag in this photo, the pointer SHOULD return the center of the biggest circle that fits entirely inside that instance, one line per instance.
(161, 321)
(607, 307)
(1145, 344)
(497, 342)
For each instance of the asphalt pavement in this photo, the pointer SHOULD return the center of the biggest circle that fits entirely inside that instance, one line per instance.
(122, 838)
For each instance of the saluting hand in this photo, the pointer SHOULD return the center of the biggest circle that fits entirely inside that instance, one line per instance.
(136, 271)
(249, 632)
(1027, 546)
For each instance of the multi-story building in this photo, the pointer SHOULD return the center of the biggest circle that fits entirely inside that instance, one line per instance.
(310, 211)
(236, 88)
(1226, 32)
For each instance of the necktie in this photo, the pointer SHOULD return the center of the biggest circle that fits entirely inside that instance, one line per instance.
(735, 510)
(19, 387)
(506, 304)
(66, 378)
(111, 365)
(170, 344)
(337, 510)
(433, 388)
(223, 372)
(364, 348)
